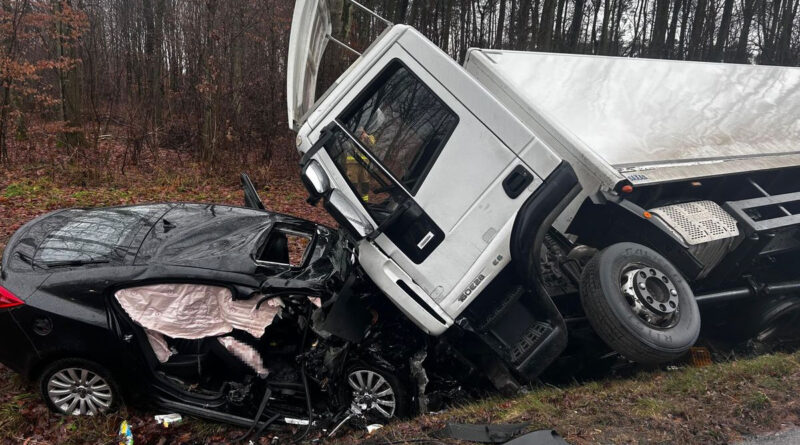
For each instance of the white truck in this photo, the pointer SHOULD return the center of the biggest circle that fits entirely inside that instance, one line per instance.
(521, 189)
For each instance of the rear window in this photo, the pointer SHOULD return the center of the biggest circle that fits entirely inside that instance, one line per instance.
(402, 123)
(94, 236)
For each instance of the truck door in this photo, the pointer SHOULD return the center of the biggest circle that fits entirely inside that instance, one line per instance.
(429, 174)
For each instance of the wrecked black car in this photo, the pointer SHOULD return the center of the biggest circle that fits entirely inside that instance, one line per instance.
(229, 313)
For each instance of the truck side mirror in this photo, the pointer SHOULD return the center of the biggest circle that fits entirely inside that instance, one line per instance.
(316, 181)
(344, 211)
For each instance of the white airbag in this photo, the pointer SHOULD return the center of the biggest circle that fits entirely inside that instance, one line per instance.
(192, 311)
(159, 344)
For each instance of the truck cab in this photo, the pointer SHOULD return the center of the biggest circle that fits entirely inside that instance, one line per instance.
(429, 172)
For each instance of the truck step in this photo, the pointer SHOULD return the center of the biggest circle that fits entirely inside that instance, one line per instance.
(498, 311)
(529, 341)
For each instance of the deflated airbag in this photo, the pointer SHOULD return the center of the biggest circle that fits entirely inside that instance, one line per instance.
(192, 311)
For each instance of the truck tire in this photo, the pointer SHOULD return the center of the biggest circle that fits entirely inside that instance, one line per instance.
(639, 304)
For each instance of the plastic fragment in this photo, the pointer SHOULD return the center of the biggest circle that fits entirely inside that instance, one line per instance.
(125, 436)
(700, 357)
(374, 427)
(168, 419)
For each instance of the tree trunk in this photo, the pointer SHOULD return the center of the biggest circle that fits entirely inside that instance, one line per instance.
(673, 26)
(501, 23)
(718, 54)
(546, 25)
(657, 44)
(575, 27)
(696, 38)
(744, 35)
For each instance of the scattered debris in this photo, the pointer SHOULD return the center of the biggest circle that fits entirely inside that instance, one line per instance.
(483, 433)
(168, 419)
(541, 437)
(125, 436)
(700, 357)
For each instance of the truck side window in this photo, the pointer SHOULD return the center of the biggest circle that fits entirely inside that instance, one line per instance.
(378, 192)
(402, 123)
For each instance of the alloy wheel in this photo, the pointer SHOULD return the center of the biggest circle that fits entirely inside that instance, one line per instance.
(372, 392)
(79, 392)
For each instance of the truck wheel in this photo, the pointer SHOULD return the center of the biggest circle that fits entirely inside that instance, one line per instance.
(639, 304)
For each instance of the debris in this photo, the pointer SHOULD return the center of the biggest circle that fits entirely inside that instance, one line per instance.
(542, 437)
(700, 357)
(421, 377)
(125, 436)
(483, 433)
(168, 419)
(374, 427)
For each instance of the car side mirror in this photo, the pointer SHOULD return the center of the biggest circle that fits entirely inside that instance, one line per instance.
(316, 181)
(345, 212)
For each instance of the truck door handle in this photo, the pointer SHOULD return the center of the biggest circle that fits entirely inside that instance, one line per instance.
(516, 181)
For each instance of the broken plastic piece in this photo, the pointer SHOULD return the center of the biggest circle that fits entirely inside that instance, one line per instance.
(192, 311)
(168, 419)
(374, 427)
(245, 353)
(700, 357)
(543, 437)
(483, 433)
(125, 436)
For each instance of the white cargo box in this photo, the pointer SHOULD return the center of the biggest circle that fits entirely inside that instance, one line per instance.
(649, 120)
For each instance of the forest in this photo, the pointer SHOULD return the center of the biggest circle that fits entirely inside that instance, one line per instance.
(206, 78)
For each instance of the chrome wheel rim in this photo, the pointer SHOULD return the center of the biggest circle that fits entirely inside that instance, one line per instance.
(79, 392)
(651, 295)
(372, 392)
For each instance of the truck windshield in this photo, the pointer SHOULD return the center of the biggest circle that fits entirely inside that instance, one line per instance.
(402, 123)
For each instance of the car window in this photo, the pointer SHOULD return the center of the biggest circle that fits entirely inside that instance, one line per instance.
(402, 123)
(94, 236)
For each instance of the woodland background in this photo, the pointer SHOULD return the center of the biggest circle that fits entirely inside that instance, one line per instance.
(96, 86)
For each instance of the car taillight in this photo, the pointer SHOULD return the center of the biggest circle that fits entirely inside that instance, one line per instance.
(7, 299)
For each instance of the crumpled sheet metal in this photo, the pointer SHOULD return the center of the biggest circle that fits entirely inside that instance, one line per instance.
(192, 311)
(245, 353)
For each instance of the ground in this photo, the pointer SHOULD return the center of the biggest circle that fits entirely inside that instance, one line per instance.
(717, 404)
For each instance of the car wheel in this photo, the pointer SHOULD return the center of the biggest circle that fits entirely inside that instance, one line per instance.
(78, 387)
(378, 394)
(639, 304)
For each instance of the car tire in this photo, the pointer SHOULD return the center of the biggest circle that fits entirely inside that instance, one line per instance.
(639, 304)
(78, 387)
(399, 393)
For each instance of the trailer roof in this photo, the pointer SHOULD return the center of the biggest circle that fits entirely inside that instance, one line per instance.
(646, 114)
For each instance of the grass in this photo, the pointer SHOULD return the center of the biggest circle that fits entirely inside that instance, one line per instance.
(716, 404)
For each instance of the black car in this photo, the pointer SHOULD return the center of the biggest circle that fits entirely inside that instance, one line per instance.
(208, 310)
